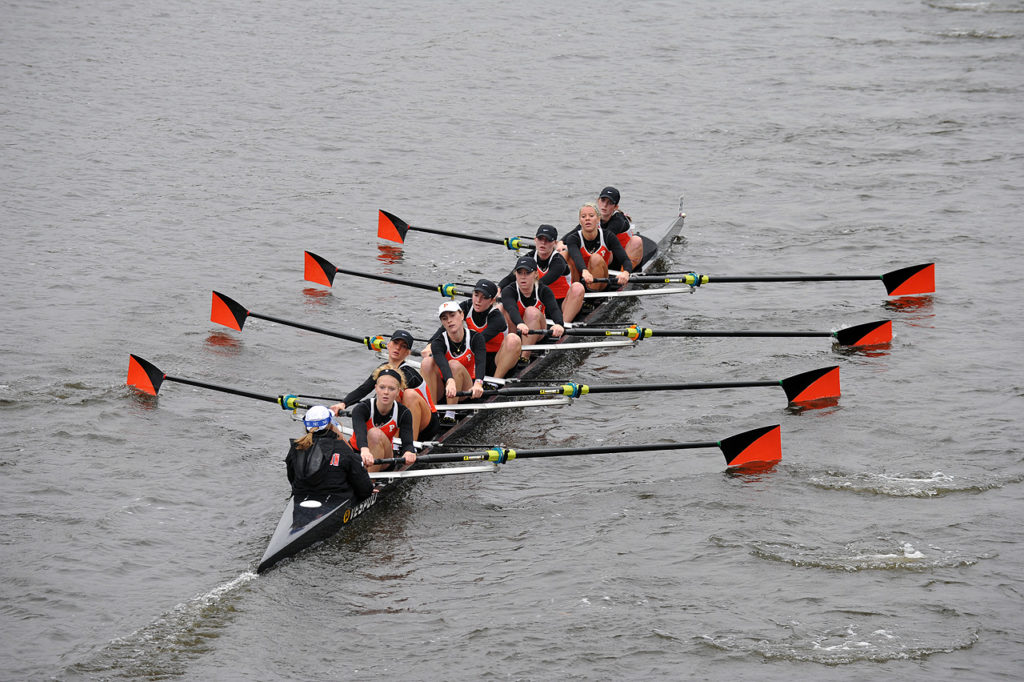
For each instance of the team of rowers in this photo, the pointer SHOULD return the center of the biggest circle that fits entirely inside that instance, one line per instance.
(480, 337)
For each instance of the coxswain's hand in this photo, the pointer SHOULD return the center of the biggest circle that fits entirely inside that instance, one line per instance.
(336, 408)
(557, 330)
(622, 277)
(410, 457)
(450, 389)
(478, 388)
(367, 457)
(587, 277)
(523, 329)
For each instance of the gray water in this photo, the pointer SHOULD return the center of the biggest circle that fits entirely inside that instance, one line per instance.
(153, 152)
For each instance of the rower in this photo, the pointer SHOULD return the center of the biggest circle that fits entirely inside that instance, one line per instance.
(483, 316)
(416, 395)
(527, 303)
(619, 224)
(553, 270)
(377, 420)
(321, 462)
(593, 249)
(464, 360)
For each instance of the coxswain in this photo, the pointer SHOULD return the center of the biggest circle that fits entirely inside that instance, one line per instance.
(553, 271)
(416, 396)
(457, 361)
(322, 463)
(482, 316)
(619, 224)
(527, 304)
(378, 419)
(593, 250)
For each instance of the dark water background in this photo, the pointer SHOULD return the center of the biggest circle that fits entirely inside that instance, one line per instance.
(154, 151)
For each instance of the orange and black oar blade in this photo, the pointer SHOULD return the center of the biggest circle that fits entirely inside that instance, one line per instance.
(228, 312)
(144, 375)
(912, 281)
(391, 227)
(759, 446)
(814, 385)
(867, 334)
(319, 270)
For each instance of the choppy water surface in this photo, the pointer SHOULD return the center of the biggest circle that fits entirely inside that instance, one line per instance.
(155, 152)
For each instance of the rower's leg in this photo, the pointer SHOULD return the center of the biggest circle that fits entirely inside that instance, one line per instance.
(534, 319)
(432, 375)
(417, 404)
(463, 382)
(599, 269)
(508, 355)
(635, 250)
(380, 446)
(573, 302)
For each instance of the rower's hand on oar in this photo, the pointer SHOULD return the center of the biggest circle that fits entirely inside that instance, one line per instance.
(523, 329)
(587, 277)
(336, 408)
(478, 388)
(622, 278)
(557, 330)
(450, 389)
(367, 457)
(410, 457)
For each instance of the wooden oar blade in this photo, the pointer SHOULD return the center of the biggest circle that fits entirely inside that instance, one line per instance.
(867, 334)
(814, 385)
(144, 375)
(391, 227)
(759, 446)
(319, 270)
(228, 312)
(912, 281)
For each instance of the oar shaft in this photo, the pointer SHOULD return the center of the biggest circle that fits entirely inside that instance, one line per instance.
(385, 278)
(227, 389)
(308, 327)
(460, 235)
(493, 455)
(627, 388)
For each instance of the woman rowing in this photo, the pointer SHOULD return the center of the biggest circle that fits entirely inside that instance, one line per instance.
(553, 271)
(377, 420)
(322, 463)
(527, 304)
(457, 359)
(592, 249)
(503, 349)
(416, 395)
(619, 224)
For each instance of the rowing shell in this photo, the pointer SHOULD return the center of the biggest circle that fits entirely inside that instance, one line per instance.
(311, 518)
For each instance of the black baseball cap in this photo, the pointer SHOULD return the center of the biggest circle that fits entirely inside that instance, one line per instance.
(402, 335)
(609, 193)
(526, 263)
(486, 287)
(548, 231)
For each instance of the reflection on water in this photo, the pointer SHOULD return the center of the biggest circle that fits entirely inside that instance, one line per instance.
(910, 304)
(223, 343)
(389, 255)
(316, 296)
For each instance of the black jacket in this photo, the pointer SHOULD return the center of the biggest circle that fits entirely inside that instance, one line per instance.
(328, 466)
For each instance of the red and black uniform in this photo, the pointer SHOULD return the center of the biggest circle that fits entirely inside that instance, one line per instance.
(553, 272)
(471, 353)
(515, 303)
(328, 466)
(491, 324)
(604, 245)
(397, 422)
(413, 380)
(619, 225)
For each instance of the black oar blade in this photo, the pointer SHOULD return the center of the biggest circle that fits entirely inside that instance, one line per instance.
(759, 446)
(867, 334)
(912, 281)
(228, 312)
(144, 375)
(319, 270)
(391, 227)
(814, 385)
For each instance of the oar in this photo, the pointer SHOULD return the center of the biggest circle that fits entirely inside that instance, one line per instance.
(148, 378)
(322, 271)
(393, 228)
(867, 334)
(231, 313)
(759, 446)
(909, 281)
(816, 384)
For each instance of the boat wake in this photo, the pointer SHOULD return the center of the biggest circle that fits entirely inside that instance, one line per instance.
(861, 556)
(884, 640)
(931, 484)
(165, 647)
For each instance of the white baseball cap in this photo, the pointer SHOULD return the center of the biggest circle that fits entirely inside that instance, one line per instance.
(318, 417)
(448, 307)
